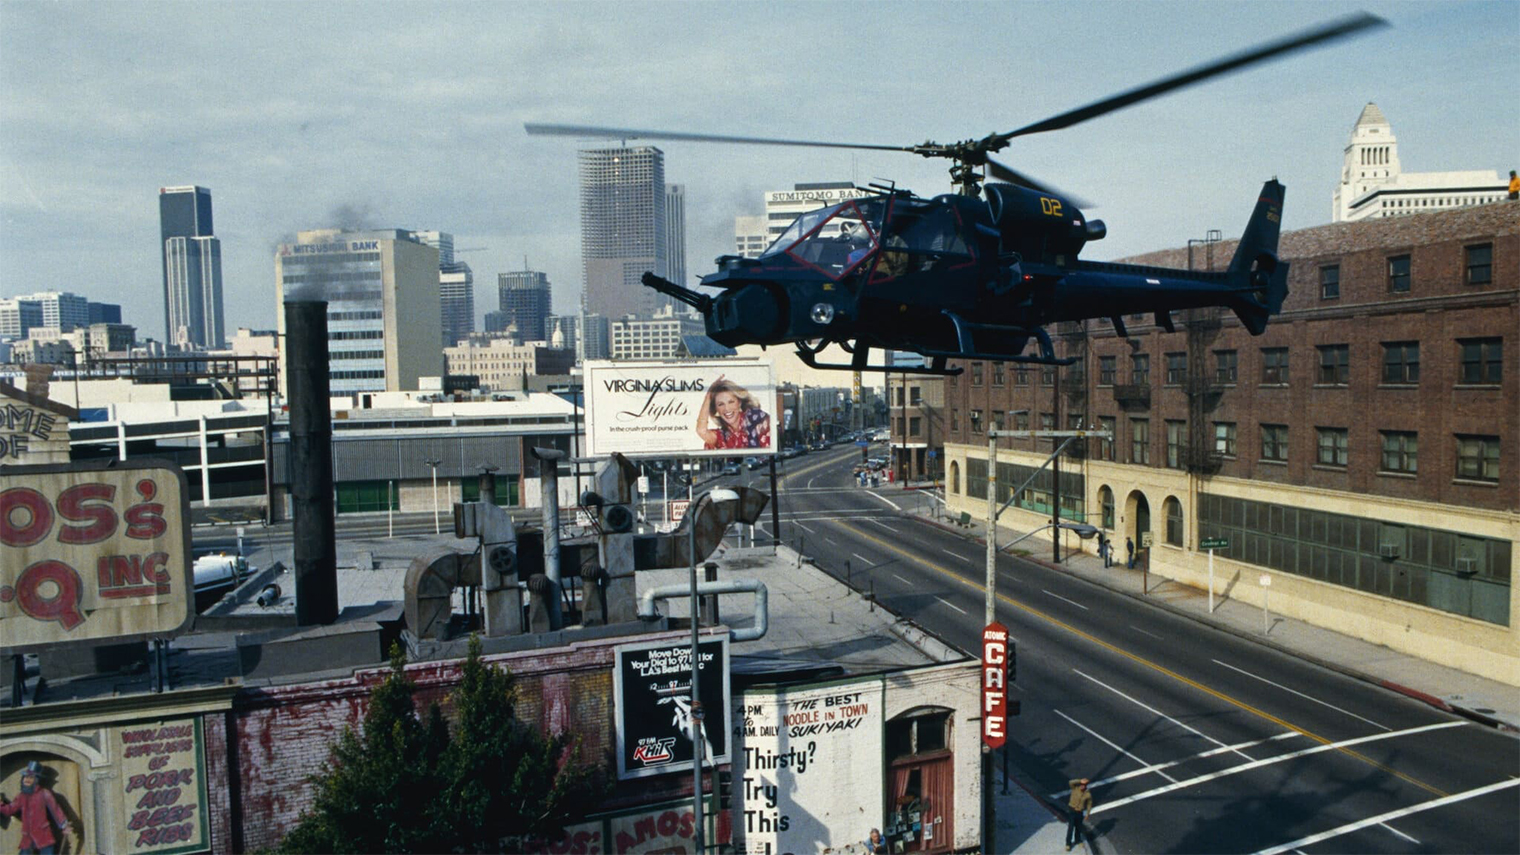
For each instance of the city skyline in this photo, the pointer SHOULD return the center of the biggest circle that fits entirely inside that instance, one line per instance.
(289, 151)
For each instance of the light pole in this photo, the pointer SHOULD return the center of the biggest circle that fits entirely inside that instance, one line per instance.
(720, 495)
(434, 465)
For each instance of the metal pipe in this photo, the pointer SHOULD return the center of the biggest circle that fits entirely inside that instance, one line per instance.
(648, 611)
(548, 480)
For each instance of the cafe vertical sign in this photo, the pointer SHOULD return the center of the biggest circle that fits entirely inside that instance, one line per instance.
(162, 787)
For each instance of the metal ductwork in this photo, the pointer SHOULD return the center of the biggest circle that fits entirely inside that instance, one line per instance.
(311, 462)
(647, 609)
(712, 519)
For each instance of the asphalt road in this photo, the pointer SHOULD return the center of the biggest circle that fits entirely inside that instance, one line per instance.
(1196, 740)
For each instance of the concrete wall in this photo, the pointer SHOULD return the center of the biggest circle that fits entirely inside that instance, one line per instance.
(413, 316)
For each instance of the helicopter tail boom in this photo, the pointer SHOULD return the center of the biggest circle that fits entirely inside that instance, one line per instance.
(1262, 278)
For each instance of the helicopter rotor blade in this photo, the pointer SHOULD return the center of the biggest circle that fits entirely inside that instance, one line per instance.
(1004, 172)
(541, 129)
(1336, 29)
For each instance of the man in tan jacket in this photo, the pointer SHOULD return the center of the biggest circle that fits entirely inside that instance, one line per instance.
(1080, 805)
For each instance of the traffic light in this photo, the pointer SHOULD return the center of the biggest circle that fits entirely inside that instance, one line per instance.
(725, 789)
(1013, 661)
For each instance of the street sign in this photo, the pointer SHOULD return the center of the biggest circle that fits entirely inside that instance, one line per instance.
(933, 454)
(644, 484)
(1266, 581)
(678, 510)
(1214, 543)
(1145, 540)
(862, 443)
(994, 685)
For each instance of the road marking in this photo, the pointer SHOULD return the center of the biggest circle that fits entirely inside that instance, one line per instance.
(810, 481)
(1073, 602)
(1393, 814)
(894, 576)
(803, 526)
(1143, 632)
(1282, 758)
(1399, 833)
(1152, 710)
(889, 502)
(952, 605)
(1123, 776)
(1141, 660)
(955, 554)
(882, 525)
(1148, 767)
(862, 558)
(1301, 694)
(831, 540)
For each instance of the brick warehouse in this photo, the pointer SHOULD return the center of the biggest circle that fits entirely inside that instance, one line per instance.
(1362, 451)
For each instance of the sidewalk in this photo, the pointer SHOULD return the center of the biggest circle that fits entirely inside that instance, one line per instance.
(1485, 701)
(1027, 824)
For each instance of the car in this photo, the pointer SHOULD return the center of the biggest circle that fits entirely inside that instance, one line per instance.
(730, 469)
(755, 462)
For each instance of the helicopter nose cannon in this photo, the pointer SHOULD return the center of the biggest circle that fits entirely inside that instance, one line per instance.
(750, 314)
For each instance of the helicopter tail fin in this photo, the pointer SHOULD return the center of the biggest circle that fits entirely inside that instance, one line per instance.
(1256, 271)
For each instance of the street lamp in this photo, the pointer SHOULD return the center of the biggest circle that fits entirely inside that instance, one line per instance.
(720, 495)
(434, 465)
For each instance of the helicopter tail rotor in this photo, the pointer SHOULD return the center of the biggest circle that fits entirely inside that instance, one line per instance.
(1259, 275)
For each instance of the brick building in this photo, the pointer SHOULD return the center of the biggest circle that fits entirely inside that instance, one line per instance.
(1363, 450)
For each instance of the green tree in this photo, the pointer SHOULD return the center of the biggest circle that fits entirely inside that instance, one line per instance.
(403, 784)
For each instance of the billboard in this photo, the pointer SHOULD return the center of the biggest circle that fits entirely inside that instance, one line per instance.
(162, 784)
(652, 684)
(94, 552)
(712, 408)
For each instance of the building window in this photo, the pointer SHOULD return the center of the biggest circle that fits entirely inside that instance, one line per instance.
(899, 396)
(1106, 370)
(1173, 510)
(998, 373)
(1225, 363)
(976, 373)
(1021, 420)
(1140, 441)
(1224, 438)
(1480, 264)
(1334, 364)
(997, 420)
(955, 421)
(976, 421)
(1481, 360)
(1176, 441)
(1330, 282)
(1398, 274)
(1274, 366)
(1140, 369)
(1401, 362)
(1021, 377)
(915, 426)
(1478, 458)
(1401, 451)
(1108, 425)
(1333, 446)
(1274, 442)
(1176, 368)
(915, 396)
(1106, 503)
(1076, 373)
(1048, 422)
(1048, 375)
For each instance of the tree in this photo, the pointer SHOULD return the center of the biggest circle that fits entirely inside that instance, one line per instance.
(405, 785)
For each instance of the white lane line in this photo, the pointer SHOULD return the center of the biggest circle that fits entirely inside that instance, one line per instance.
(1393, 814)
(891, 503)
(1154, 711)
(1301, 694)
(952, 605)
(868, 561)
(810, 481)
(1073, 602)
(882, 525)
(894, 576)
(955, 554)
(831, 540)
(803, 527)
(1143, 632)
(1399, 833)
(1122, 776)
(1148, 767)
(1282, 758)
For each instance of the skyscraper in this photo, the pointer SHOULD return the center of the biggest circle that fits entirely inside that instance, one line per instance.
(525, 300)
(623, 229)
(192, 263)
(456, 288)
(675, 234)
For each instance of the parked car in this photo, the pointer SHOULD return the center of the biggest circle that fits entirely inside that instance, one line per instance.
(755, 462)
(730, 469)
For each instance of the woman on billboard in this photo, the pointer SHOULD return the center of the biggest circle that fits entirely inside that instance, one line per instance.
(730, 418)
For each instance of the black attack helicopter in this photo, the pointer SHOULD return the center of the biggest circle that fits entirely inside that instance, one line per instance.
(979, 273)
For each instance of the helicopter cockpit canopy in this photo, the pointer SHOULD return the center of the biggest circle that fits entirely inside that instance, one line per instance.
(834, 240)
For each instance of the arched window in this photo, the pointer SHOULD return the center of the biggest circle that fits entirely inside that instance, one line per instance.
(1106, 502)
(955, 477)
(1173, 521)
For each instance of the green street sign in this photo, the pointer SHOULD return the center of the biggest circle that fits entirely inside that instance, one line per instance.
(1214, 543)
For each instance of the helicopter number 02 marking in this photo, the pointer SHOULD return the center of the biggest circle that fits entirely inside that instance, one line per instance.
(1050, 206)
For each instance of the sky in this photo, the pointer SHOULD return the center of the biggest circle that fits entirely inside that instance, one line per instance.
(410, 115)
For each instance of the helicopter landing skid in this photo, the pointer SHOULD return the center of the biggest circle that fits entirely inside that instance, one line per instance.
(963, 335)
(936, 366)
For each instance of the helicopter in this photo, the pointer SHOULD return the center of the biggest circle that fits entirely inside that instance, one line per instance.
(975, 274)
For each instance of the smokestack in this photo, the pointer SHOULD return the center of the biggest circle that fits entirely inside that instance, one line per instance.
(311, 470)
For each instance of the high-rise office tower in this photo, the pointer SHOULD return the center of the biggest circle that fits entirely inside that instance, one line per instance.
(623, 229)
(675, 234)
(192, 260)
(525, 299)
(456, 288)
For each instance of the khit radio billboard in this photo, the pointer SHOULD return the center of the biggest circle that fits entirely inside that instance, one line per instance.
(652, 684)
(714, 408)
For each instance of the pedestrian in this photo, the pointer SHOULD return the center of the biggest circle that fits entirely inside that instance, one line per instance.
(36, 805)
(1514, 186)
(876, 844)
(1103, 549)
(1079, 807)
(1129, 552)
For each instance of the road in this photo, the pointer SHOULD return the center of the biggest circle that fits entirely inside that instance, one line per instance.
(1196, 740)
